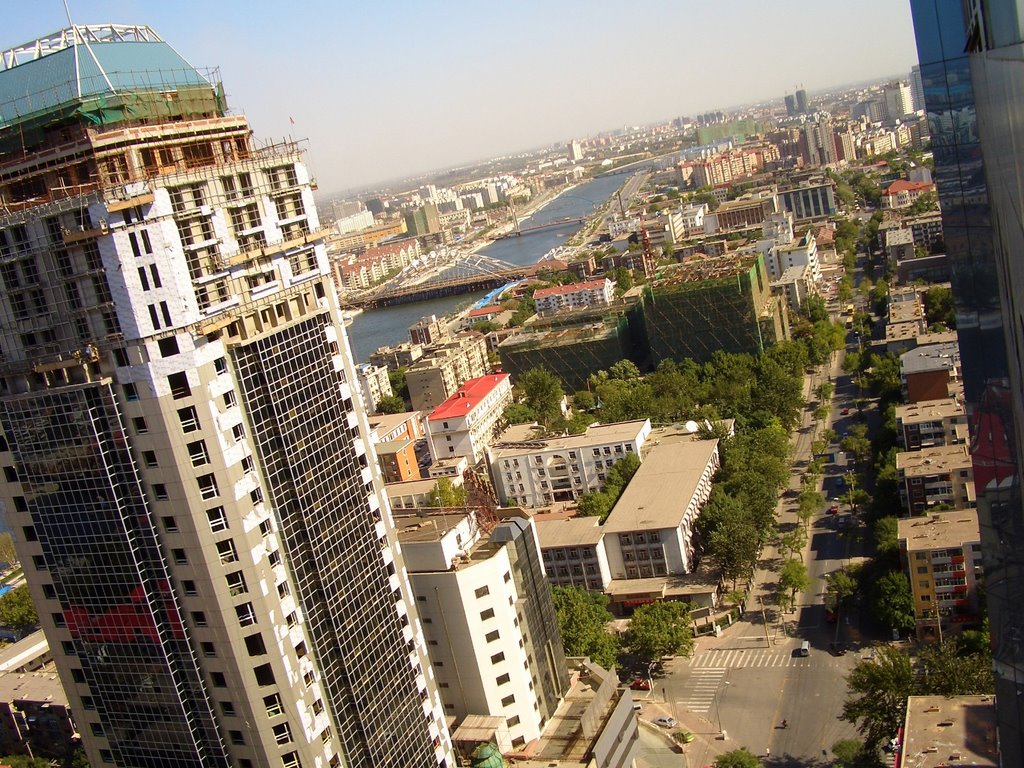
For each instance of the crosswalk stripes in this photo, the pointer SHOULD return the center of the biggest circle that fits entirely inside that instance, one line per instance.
(732, 658)
(703, 687)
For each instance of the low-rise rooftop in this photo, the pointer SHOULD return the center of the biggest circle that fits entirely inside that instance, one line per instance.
(568, 532)
(934, 357)
(661, 489)
(940, 459)
(514, 442)
(939, 529)
(941, 732)
(929, 410)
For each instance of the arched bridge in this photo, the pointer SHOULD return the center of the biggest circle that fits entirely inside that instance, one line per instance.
(466, 273)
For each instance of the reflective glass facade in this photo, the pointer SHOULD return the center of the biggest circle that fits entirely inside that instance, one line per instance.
(101, 551)
(336, 543)
(973, 80)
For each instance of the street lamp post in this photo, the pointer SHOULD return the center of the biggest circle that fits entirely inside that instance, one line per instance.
(718, 708)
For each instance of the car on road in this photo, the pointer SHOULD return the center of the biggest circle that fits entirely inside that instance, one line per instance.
(665, 721)
(640, 684)
(840, 482)
(844, 412)
(834, 509)
(842, 521)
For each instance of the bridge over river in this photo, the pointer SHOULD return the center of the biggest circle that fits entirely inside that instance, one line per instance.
(466, 273)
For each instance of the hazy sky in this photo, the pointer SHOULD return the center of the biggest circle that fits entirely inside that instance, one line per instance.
(388, 88)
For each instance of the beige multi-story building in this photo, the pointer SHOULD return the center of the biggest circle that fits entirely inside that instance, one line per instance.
(573, 552)
(465, 423)
(186, 464)
(931, 423)
(487, 616)
(927, 477)
(649, 533)
(941, 554)
(537, 472)
(429, 330)
(444, 368)
(591, 293)
(374, 383)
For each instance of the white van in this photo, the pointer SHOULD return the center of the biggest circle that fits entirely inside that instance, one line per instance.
(805, 649)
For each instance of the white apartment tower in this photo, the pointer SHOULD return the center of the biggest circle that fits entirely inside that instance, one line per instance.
(186, 468)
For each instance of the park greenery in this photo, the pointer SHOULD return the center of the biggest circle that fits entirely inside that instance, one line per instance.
(600, 503)
(583, 618)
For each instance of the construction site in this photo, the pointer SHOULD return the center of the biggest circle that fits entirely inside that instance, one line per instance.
(575, 344)
(713, 303)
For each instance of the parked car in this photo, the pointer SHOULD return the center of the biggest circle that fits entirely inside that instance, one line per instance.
(834, 509)
(640, 684)
(845, 412)
(665, 721)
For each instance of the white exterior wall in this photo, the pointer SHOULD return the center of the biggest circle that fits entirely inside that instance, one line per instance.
(469, 435)
(508, 473)
(470, 662)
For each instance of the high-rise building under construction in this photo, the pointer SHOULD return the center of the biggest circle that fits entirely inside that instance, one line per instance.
(186, 470)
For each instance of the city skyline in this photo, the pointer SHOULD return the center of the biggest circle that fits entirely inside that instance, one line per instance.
(437, 89)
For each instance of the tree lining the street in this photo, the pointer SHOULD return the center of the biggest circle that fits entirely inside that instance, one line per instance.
(737, 758)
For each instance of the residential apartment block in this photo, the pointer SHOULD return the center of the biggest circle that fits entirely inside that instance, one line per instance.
(465, 423)
(926, 373)
(591, 293)
(374, 383)
(931, 476)
(487, 616)
(941, 554)
(649, 533)
(537, 472)
(444, 367)
(171, 329)
(931, 423)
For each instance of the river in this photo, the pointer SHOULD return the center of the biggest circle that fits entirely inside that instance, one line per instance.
(380, 327)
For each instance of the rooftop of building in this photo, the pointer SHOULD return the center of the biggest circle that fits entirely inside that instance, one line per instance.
(467, 397)
(392, 446)
(661, 489)
(559, 337)
(568, 532)
(939, 529)
(386, 423)
(710, 268)
(703, 581)
(592, 696)
(929, 410)
(426, 526)
(936, 460)
(934, 357)
(937, 337)
(564, 290)
(515, 441)
(905, 311)
(902, 185)
(410, 487)
(899, 236)
(903, 331)
(941, 731)
(804, 242)
(42, 685)
(490, 309)
(89, 70)
(24, 652)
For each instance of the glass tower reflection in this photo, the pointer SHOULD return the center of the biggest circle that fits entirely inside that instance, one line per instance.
(973, 82)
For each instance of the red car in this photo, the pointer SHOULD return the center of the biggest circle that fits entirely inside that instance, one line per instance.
(640, 684)
(844, 412)
(834, 509)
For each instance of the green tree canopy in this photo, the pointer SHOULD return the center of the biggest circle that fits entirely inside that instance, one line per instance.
(948, 669)
(391, 404)
(542, 394)
(7, 552)
(446, 494)
(596, 504)
(938, 306)
(660, 629)
(737, 758)
(17, 610)
(841, 586)
(398, 384)
(582, 618)
(893, 601)
(877, 694)
(793, 578)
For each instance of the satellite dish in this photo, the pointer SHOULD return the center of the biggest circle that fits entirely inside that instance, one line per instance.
(691, 427)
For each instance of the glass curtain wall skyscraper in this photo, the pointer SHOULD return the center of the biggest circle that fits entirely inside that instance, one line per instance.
(186, 470)
(972, 72)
